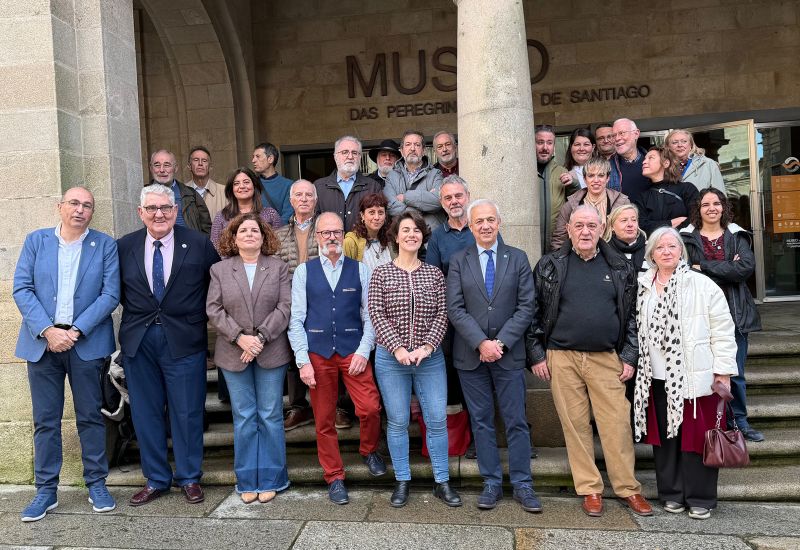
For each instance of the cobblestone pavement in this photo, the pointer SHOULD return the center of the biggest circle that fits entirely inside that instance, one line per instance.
(302, 518)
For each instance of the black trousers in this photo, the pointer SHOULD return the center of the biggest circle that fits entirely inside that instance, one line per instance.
(296, 389)
(681, 477)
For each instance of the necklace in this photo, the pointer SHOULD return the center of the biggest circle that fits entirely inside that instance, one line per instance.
(376, 248)
(660, 282)
(413, 266)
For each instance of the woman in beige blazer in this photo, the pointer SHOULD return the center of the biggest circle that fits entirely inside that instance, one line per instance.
(248, 303)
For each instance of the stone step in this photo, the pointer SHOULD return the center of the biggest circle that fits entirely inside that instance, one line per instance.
(773, 406)
(551, 474)
(773, 343)
(773, 375)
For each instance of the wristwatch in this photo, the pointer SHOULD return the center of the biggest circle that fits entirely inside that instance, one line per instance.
(261, 338)
(501, 344)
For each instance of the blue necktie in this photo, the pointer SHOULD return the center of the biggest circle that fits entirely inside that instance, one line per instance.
(489, 282)
(158, 271)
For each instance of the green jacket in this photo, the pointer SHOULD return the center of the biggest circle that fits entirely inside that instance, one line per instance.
(552, 196)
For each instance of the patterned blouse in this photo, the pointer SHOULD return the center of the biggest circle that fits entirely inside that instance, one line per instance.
(407, 309)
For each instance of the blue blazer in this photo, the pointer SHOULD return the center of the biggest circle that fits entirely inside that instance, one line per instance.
(476, 317)
(183, 309)
(96, 294)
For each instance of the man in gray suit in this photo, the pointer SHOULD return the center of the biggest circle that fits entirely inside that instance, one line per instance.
(490, 298)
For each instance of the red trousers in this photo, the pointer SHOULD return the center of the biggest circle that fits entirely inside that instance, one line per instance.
(365, 397)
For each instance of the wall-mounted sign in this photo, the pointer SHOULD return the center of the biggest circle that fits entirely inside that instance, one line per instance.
(786, 204)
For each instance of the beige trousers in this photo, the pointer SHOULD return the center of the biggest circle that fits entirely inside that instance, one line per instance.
(586, 382)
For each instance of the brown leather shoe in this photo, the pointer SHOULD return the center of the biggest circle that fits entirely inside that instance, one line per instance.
(193, 492)
(343, 421)
(296, 418)
(593, 505)
(638, 505)
(148, 494)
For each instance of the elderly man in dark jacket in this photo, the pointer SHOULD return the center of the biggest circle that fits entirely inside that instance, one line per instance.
(583, 335)
(341, 192)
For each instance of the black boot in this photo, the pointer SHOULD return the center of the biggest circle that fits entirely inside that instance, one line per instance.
(399, 496)
(447, 494)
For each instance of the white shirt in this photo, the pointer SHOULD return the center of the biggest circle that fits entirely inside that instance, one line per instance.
(69, 260)
(167, 252)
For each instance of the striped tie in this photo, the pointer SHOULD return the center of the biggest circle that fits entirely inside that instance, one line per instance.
(489, 282)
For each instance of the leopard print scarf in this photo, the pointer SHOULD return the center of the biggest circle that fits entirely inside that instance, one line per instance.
(663, 331)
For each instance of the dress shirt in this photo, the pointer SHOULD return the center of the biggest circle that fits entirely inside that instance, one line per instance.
(69, 260)
(297, 332)
(484, 258)
(346, 185)
(167, 252)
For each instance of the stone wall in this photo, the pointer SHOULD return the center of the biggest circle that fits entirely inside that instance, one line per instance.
(687, 57)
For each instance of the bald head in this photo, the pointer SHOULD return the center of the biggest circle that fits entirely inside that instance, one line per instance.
(76, 209)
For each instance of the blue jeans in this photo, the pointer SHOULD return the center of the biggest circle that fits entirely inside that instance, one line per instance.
(259, 441)
(738, 384)
(46, 378)
(429, 382)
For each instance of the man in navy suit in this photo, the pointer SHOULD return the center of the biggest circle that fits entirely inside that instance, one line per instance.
(66, 285)
(490, 298)
(165, 275)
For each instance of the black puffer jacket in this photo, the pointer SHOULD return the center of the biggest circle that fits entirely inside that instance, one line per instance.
(731, 276)
(548, 276)
(664, 201)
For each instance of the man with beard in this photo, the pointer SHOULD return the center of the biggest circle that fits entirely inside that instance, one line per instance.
(552, 193)
(414, 183)
(276, 187)
(444, 143)
(626, 162)
(341, 191)
(331, 335)
(384, 156)
(604, 136)
(192, 211)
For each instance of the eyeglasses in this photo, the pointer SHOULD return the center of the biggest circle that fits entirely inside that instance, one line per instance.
(328, 233)
(348, 153)
(165, 209)
(76, 204)
(609, 137)
(165, 166)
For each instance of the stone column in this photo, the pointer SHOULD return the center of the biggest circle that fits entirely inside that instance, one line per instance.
(496, 149)
(68, 116)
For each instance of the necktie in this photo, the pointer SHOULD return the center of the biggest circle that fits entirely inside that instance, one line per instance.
(489, 281)
(158, 271)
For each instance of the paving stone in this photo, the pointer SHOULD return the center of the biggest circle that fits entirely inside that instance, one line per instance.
(299, 504)
(73, 500)
(775, 543)
(7, 547)
(529, 539)
(148, 532)
(729, 518)
(565, 513)
(400, 536)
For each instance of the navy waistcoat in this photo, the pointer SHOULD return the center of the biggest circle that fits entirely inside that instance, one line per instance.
(333, 318)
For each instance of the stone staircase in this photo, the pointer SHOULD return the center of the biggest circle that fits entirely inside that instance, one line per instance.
(773, 373)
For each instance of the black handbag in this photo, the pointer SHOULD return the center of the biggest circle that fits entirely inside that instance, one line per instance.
(724, 448)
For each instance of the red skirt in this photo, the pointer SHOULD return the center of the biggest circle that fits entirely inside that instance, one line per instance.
(694, 426)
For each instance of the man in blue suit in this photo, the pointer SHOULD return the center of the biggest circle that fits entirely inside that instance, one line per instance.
(165, 274)
(490, 298)
(66, 285)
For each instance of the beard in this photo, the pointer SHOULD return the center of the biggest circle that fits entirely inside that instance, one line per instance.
(413, 158)
(325, 251)
(383, 171)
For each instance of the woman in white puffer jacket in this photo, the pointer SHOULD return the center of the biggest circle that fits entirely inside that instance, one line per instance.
(686, 343)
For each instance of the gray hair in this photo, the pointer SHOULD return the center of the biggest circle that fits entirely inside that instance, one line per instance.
(455, 178)
(616, 212)
(598, 163)
(445, 133)
(631, 124)
(157, 189)
(586, 208)
(347, 138)
(314, 187)
(167, 151)
(480, 202)
(656, 236)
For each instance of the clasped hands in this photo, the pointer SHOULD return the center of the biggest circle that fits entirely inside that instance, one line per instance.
(490, 351)
(59, 339)
(251, 347)
(405, 357)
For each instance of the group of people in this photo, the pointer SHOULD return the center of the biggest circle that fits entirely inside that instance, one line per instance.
(371, 288)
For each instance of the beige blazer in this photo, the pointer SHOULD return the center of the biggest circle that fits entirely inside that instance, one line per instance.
(232, 308)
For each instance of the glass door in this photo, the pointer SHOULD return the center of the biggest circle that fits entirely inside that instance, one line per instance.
(778, 205)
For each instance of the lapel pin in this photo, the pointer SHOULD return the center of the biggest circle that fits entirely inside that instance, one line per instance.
(92, 243)
(183, 245)
(263, 268)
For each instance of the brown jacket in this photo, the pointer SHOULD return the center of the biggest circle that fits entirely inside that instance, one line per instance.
(233, 308)
(613, 198)
(288, 244)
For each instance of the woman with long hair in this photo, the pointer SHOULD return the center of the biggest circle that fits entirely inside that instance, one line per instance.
(368, 242)
(694, 165)
(666, 202)
(580, 150)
